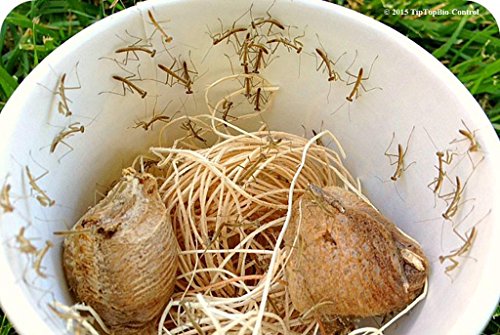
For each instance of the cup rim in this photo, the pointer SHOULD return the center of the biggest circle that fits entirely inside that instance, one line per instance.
(19, 310)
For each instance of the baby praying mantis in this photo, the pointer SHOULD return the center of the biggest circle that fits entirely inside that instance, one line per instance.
(270, 20)
(400, 167)
(329, 64)
(26, 247)
(443, 158)
(128, 84)
(244, 52)
(166, 38)
(287, 43)
(250, 169)
(190, 127)
(63, 105)
(259, 59)
(172, 73)
(468, 240)
(140, 45)
(226, 107)
(257, 99)
(146, 125)
(319, 141)
(358, 83)
(259, 22)
(40, 255)
(41, 196)
(468, 136)
(216, 39)
(185, 71)
(24, 244)
(5, 202)
(226, 35)
(457, 195)
(322, 199)
(72, 129)
(188, 80)
(248, 86)
(134, 49)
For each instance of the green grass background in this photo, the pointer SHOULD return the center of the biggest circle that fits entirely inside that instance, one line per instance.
(467, 45)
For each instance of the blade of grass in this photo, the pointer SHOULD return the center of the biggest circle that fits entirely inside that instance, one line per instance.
(24, 22)
(7, 82)
(445, 47)
(488, 70)
(5, 326)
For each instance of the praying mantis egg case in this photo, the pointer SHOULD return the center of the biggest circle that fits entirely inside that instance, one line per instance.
(123, 263)
(348, 260)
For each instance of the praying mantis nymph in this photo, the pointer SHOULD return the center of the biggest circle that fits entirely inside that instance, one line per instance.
(172, 73)
(40, 255)
(297, 46)
(248, 86)
(151, 52)
(187, 78)
(133, 87)
(457, 195)
(251, 169)
(356, 87)
(464, 248)
(270, 20)
(471, 137)
(228, 34)
(41, 196)
(226, 107)
(63, 105)
(259, 60)
(443, 158)
(319, 141)
(5, 202)
(257, 99)
(322, 198)
(63, 134)
(25, 245)
(157, 26)
(147, 124)
(188, 125)
(332, 74)
(358, 83)
(244, 51)
(400, 162)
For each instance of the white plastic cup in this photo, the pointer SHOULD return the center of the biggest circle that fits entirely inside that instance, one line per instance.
(416, 91)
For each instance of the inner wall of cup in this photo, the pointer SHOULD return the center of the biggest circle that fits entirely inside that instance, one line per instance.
(305, 101)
